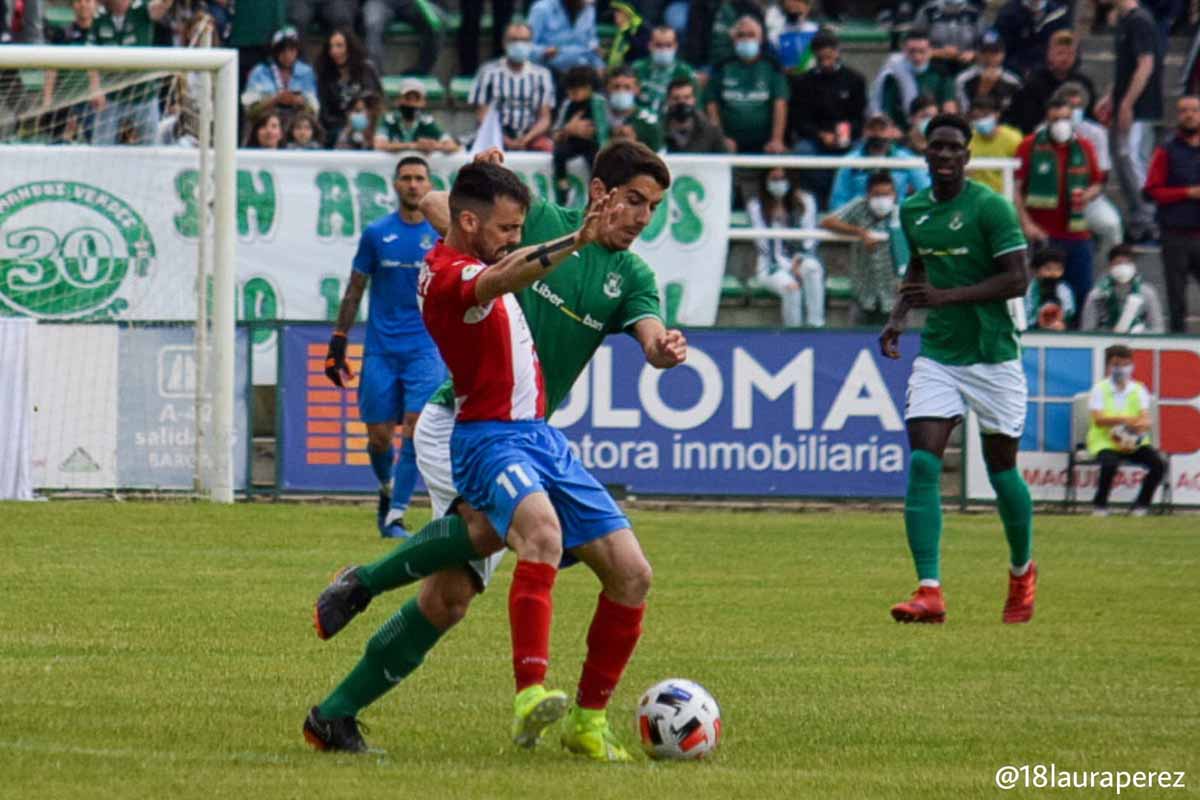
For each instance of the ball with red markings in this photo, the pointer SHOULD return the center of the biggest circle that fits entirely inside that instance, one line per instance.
(678, 719)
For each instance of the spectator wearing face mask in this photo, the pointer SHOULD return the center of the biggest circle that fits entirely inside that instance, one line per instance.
(1103, 219)
(954, 28)
(904, 77)
(661, 69)
(1120, 431)
(879, 254)
(408, 127)
(991, 140)
(790, 268)
(686, 128)
(625, 119)
(1056, 180)
(359, 131)
(747, 95)
(790, 33)
(1122, 302)
(851, 182)
(522, 93)
(1049, 303)
(987, 78)
(1026, 26)
(1173, 183)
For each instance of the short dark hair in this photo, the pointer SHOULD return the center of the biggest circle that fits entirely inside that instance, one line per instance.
(1122, 250)
(579, 76)
(921, 101)
(1049, 255)
(408, 161)
(1058, 100)
(478, 184)
(1116, 351)
(623, 160)
(824, 40)
(983, 102)
(945, 120)
(880, 176)
(623, 71)
(678, 82)
(916, 34)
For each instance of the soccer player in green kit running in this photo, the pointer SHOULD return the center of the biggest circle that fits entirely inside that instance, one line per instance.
(570, 312)
(968, 258)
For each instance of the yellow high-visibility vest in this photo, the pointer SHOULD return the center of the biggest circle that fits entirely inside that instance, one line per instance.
(1099, 438)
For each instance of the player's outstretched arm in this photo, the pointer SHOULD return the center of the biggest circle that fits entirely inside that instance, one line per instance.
(519, 269)
(889, 340)
(1010, 280)
(663, 348)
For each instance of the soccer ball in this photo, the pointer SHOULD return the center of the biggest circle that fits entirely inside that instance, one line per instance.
(1127, 438)
(678, 719)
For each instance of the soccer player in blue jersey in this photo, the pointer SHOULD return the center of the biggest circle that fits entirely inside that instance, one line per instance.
(401, 366)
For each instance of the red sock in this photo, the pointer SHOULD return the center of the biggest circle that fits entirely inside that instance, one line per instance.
(530, 608)
(611, 639)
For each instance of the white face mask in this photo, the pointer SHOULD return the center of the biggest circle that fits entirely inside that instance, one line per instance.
(1122, 374)
(1076, 116)
(1061, 130)
(1122, 272)
(778, 188)
(881, 205)
(621, 100)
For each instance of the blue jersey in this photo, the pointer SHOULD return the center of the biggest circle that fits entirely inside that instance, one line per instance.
(391, 253)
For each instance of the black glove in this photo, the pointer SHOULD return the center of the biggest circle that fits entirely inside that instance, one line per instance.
(335, 359)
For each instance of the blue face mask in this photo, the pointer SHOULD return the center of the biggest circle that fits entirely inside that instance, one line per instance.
(663, 58)
(519, 51)
(1076, 115)
(747, 49)
(986, 125)
(921, 70)
(359, 121)
(621, 100)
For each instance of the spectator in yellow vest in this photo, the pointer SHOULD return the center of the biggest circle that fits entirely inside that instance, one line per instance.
(1120, 430)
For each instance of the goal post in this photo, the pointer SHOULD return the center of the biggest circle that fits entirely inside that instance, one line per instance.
(214, 476)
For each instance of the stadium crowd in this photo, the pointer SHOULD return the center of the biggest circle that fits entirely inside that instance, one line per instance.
(725, 76)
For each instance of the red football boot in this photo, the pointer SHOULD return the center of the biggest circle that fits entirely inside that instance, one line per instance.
(926, 605)
(1021, 591)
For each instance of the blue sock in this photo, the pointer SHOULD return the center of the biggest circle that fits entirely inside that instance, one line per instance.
(404, 478)
(381, 464)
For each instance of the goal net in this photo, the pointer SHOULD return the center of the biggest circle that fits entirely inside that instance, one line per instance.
(116, 238)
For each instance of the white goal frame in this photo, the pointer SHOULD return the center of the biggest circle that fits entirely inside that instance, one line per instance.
(223, 63)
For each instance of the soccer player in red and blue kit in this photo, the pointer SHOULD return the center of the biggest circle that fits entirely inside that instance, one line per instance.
(507, 461)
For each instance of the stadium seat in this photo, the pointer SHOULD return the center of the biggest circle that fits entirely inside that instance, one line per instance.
(434, 91)
(733, 289)
(58, 16)
(739, 219)
(837, 287)
(460, 89)
(862, 31)
(1078, 455)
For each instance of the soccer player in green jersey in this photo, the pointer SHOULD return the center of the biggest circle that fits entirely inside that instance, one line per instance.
(968, 259)
(570, 312)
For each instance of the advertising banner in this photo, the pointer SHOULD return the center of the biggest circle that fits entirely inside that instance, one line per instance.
(750, 413)
(111, 233)
(1060, 366)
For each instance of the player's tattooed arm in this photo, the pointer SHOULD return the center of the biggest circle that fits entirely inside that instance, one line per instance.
(351, 299)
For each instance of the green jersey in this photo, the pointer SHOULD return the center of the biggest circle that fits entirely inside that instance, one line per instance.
(135, 28)
(594, 293)
(424, 126)
(745, 95)
(655, 81)
(958, 241)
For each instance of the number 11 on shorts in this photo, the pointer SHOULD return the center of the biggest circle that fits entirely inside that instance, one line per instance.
(507, 484)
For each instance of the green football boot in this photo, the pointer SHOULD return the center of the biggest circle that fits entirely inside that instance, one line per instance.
(535, 709)
(586, 731)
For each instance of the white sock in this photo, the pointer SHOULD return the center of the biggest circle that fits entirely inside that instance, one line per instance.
(1021, 570)
(395, 515)
(930, 582)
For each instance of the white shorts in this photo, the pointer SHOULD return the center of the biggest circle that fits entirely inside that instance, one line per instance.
(431, 438)
(995, 392)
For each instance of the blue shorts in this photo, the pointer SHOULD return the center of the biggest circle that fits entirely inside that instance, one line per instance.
(498, 464)
(396, 384)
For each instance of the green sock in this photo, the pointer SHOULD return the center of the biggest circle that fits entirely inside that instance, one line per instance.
(396, 649)
(442, 543)
(1016, 511)
(923, 513)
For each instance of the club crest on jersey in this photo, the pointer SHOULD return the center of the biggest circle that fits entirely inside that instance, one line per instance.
(471, 270)
(956, 222)
(426, 242)
(477, 314)
(612, 285)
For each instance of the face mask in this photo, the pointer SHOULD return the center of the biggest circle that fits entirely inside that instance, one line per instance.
(747, 49)
(876, 143)
(986, 125)
(1123, 272)
(681, 111)
(518, 51)
(1188, 132)
(777, 188)
(663, 58)
(1076, 116)
(621, 100)
(1061, 130)
(923, 125)
(1122, 374)
(358, 121)
(882, 205)
(408, 112)
(921, 69)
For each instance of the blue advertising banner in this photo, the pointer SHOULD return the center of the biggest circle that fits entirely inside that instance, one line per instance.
(787, 413)
(156, 439)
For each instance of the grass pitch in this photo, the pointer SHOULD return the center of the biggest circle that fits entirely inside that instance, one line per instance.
(166, 650)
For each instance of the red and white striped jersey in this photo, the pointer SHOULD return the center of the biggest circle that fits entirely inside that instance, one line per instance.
(488, 349)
